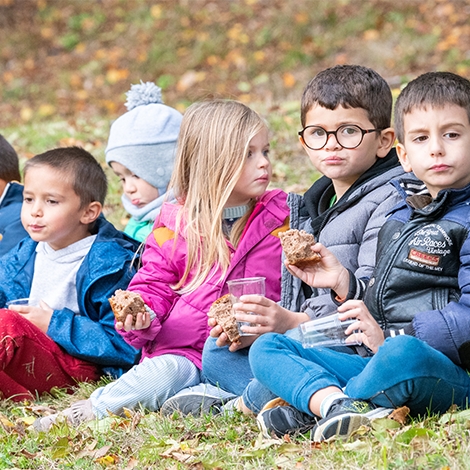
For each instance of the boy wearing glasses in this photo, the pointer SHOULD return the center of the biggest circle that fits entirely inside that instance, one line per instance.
(345, 113)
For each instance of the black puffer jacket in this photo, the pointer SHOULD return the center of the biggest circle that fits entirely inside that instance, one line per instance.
(421, 285)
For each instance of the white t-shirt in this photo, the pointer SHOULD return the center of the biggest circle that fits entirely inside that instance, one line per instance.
(55, 273)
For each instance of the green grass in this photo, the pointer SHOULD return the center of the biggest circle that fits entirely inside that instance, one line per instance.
(149, 440)
(64, 68)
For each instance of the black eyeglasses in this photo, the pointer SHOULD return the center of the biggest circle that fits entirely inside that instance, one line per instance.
(348, 136)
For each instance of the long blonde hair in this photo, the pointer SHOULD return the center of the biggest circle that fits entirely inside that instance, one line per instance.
(212, 149)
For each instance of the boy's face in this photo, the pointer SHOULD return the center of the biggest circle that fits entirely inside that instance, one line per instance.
(139, 192)
(436, 147)
(51, 209)
(345, 166)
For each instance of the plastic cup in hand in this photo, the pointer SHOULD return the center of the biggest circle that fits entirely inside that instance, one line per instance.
(327, 332)
(24, 301)
(245, 286)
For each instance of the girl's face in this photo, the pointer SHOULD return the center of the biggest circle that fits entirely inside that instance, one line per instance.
(256, 173)
(139, 192)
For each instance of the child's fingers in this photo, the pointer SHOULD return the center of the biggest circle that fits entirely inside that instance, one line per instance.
(20, 308)
(129, 323)
(216, 331)
(222, 340)
(142, 321)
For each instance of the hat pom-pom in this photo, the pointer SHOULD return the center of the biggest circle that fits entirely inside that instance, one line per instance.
(142, 94)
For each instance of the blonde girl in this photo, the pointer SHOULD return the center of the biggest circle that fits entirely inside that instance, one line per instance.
(224, 226)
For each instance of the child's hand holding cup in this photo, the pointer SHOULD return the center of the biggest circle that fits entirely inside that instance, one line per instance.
(16, 302)
(328, 331)
(245, 286)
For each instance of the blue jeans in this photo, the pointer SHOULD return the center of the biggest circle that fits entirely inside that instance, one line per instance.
(231, 372)
(404, 371)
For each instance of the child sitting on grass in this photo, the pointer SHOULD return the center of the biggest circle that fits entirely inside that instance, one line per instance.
(11, 198)
(415, 312)
(141, 151)
(224, 226)
(345, 113)
(72, 261)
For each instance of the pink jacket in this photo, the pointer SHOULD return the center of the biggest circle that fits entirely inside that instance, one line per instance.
(181, 324)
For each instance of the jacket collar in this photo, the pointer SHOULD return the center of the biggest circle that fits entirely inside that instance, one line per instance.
(13, 193)
(417, 197)
(317, 198)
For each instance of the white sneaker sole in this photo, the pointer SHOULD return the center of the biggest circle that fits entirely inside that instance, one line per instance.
(345, 424)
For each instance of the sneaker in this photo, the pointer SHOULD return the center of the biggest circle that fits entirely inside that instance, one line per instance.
(198, 400)
(76, 414)
(345, 416)
(282, 420)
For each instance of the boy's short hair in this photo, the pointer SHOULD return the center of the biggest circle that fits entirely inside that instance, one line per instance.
(350, 86)
(435, 89)
(87, 176)
(9, 163)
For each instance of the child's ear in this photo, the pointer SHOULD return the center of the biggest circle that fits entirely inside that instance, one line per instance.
(386, 141)
(91, 212)
(403, 157)
(301, 139)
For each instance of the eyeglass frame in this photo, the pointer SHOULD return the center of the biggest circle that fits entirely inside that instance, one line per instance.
(328, 133)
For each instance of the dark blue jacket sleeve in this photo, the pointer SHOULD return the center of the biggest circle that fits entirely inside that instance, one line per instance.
(448, 329)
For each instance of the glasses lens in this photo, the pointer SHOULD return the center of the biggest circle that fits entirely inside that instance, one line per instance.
(349, 136)
(315, 137)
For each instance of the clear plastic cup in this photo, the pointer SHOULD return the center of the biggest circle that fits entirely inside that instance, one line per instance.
(245, 286)
(327, 332)
(24, 301)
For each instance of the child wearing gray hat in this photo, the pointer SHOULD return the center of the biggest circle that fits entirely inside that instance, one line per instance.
(141, 149)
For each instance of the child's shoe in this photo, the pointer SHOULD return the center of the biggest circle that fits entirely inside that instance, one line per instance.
(198, 400)
(282, 420)
(345, 416)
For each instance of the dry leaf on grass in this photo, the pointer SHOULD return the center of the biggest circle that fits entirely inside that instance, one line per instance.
(400, 414)
(275, 402)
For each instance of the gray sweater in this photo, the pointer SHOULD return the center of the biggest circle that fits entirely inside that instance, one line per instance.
(349, 229)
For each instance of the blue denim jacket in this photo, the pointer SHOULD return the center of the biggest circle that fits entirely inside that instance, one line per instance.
(89, 335)
(11, 228)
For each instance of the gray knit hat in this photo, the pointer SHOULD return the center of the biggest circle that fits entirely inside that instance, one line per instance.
(144, 138)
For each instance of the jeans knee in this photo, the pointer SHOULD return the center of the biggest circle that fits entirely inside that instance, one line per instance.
(407, 350)
(264, 342)
(262, 350)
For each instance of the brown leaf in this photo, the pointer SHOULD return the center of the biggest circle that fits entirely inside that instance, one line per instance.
(400, 414)
(133, 463)
(101, 452)
(28, 455)
(275, 402)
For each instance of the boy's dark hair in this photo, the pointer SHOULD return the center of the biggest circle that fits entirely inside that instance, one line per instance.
(350, 86)
(87, 176)
(435, 89)
(9, 163)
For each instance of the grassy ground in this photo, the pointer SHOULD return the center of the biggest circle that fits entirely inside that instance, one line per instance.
(64, 68)
(144, 440)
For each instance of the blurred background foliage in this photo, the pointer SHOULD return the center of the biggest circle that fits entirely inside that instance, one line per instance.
(65, 65)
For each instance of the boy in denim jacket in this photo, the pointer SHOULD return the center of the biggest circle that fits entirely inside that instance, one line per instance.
(11, 198)
(68, 267)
